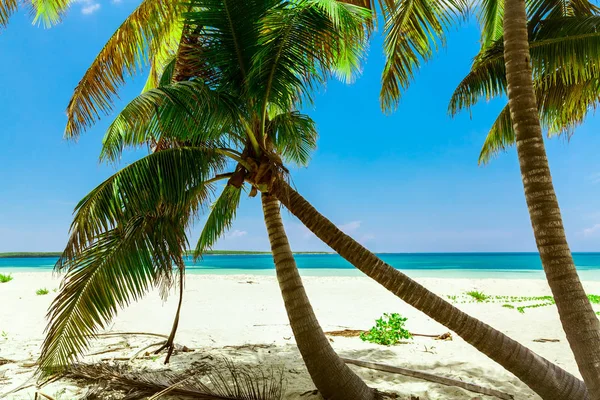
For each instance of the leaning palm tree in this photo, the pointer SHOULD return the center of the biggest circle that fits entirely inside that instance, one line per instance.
(234, 54)
(556, 89)
(415, 27)
(262, 169)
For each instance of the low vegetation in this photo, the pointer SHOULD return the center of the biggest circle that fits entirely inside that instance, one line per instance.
(41, 292)
(5, 278)
(478, 296)
(535, 301)
(388, 330)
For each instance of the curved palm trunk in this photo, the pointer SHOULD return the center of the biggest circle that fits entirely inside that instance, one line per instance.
(329, 373)
(170, 343)
(546, 379)
(579, 321)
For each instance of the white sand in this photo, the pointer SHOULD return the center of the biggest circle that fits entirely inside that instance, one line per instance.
(221, 311)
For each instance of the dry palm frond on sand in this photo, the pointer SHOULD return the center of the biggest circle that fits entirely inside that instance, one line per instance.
(220, 380)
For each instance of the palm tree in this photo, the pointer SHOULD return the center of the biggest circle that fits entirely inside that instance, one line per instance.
(415, 27)
(322, 362)
(563, 85)
(579, 321)
(263, 170)
(258, 60)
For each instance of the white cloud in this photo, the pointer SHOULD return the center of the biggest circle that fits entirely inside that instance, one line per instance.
(350, 227)
(90, 9)
(592, 230)
(236, 234)
(366, 238)
(595, 178)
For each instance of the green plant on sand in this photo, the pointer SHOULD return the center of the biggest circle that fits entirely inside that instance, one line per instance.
(42, 291)
(479, 296)
(5, 278)
(388, 330)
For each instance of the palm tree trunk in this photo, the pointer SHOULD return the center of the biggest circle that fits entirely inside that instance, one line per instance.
(579, 321)
(170, 343)
(330, 374)
(546, 379)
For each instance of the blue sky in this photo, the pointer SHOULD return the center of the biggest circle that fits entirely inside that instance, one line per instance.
(406, 182)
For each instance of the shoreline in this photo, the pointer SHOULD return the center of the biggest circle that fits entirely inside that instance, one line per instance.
(446, 274)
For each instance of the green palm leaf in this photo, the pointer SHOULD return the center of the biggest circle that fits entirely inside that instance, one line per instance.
(119, 267)
(221, 217)
(300, 43)
(127, 51)
(413, 31)
(562, 108)
(182, 111)
(174, 177)
(491, 18)
(563, 49)
(294, 136)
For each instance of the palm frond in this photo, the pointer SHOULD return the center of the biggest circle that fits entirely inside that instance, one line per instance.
(227, 32)
(126, 53)
(119, 267)
(545, 10)
(221, 217)
(7, 9)
(294, 136)
(562, 108)
(164, 57)
(182, 111)
(562, 50)
(413, 32)
(300, 44)
(173, 177)
(49, 12)
(491, 18)
(218, 380)
(499, 138)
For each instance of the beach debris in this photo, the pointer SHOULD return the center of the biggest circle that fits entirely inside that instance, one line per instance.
(4, 361)
(542, 340)
(220, 380)
(430, 377)
(39, 394)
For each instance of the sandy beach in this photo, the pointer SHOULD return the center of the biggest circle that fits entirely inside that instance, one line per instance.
(242, 317)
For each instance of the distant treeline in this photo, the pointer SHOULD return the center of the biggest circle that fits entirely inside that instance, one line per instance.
(189, 253)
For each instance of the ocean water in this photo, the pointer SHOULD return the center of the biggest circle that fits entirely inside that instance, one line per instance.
(450, 265)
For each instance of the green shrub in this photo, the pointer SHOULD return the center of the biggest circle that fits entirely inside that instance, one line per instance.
(388, 330)
(478, 296)
(5, 278)
(594, 298)
(41, 292)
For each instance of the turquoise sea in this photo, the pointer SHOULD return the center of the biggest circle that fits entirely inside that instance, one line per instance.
(450, 265)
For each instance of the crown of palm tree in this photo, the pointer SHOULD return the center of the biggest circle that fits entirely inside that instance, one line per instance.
(249, 65)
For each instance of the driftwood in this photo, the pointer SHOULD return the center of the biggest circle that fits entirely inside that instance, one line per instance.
(431, 378)
(357, 332)
(546, 340)
(110, 350)
(109, 334)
